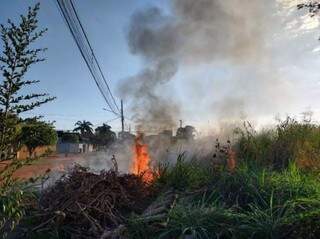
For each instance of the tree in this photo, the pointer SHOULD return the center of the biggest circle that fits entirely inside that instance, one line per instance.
(186, 133)
(15, 61)
(84, 127)
(36, 133)
(68, 137)
(9, 138)
(104, 135)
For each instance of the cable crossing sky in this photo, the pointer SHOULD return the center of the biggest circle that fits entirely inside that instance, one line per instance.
(71, 17)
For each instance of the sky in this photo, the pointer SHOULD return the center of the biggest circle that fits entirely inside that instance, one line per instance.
(293, 53)
(64, 73)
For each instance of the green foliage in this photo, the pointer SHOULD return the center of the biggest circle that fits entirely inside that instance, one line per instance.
(84, 127)
(289, 141)
(104, 135)
(184, 174)
(16, 59)
(256, 185)
(261, 222)
(36, 133)
(68, 137)
(13, 195)
(251, 202)
(201, 221)
(252, 146)
(11, 210)
(9, 132)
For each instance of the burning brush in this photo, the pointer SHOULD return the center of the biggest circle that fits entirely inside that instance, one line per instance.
(141, 159)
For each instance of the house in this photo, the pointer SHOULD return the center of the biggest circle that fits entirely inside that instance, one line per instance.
(72, 143)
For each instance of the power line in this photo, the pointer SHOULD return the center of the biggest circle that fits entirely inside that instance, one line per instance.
(94, 56)
(72, 20)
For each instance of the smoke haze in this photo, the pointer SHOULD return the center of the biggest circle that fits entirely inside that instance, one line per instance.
(203, 34)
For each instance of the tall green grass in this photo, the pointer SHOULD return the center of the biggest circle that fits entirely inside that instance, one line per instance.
(289, 141)
(252, 202)
(184, 174)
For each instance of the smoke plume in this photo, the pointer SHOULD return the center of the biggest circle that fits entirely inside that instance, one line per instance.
(194, 33)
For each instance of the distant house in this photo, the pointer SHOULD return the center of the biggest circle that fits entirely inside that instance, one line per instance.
(73, 148)
(72, 143)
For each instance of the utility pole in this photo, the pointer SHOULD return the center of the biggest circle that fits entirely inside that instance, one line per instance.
(122, 117)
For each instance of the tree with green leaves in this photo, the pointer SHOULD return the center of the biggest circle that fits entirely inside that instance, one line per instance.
(17, 57)
(84, 127)
(36, 133)
(104, 135)
(70, 137)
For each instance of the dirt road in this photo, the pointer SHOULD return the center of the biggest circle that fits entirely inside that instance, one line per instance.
(59, 164)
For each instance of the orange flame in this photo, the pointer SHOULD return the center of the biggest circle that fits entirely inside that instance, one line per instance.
(141, 159)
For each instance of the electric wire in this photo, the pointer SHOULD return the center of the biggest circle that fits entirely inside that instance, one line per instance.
(94, 56)
(72, 20)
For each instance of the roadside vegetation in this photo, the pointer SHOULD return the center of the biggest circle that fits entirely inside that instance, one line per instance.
(272, 192)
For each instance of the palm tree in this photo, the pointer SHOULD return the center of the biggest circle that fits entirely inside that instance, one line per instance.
(84, 127)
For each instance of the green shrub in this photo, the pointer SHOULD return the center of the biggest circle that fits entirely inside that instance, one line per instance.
(14, 195)
(12, 208)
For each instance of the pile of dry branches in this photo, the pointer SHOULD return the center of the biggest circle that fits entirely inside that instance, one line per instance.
(86, 204)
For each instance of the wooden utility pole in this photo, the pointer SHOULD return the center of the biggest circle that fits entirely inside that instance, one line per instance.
(122, 117)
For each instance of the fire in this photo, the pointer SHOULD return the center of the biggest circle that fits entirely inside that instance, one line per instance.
(141, 159)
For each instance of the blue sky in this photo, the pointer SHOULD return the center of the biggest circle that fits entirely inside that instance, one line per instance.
(64, 73)
(66, 76)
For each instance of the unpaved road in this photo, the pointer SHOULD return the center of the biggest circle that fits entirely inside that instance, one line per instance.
(59, 164)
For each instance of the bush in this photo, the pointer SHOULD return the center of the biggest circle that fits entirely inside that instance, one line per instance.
(13, 196)
(11, 209)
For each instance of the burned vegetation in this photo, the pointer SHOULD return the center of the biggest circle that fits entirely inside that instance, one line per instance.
(84, 204)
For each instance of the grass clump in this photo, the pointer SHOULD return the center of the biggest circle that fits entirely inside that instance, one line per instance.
(184, 174)
(201, 221)
(251, 202)
(289, 141)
